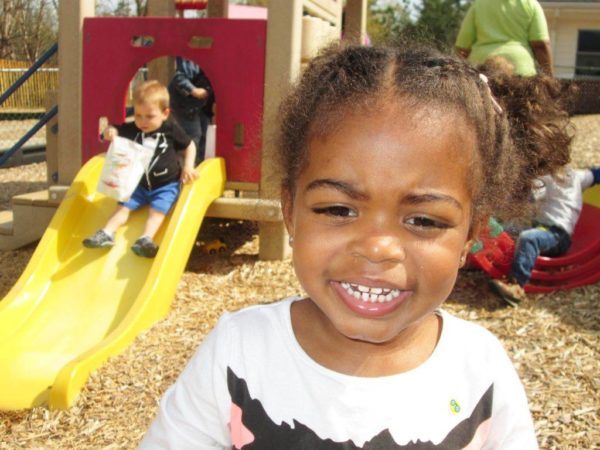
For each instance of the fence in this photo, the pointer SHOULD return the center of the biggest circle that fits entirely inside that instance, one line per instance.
(29, 97)
(586, 98)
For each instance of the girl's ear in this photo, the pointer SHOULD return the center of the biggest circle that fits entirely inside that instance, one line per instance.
(465, 251)
(287, 203)
(476, 227)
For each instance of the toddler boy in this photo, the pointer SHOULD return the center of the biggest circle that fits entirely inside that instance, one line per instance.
(160, 185)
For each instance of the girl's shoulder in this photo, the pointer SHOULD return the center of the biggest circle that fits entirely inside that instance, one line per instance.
(468, 336)
(257, 319)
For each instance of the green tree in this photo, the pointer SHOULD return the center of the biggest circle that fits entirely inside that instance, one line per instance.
(438, 22)
(386, 20)
(27, 28)
(122, 7)
(434, 22)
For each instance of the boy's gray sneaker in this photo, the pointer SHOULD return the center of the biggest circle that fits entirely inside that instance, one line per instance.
(100, 239)
(145, 247)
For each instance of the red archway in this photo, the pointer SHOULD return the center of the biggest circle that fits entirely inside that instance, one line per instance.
(231, 53)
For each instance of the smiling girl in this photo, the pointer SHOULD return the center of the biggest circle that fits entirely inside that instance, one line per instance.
(391, 160)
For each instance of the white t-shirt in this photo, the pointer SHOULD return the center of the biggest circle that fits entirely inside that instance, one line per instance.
(560, 200)
(251, 386)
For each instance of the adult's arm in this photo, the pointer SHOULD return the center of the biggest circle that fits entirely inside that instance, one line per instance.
(463, 52)
(539, 39)
(543, 55)
(184, 74)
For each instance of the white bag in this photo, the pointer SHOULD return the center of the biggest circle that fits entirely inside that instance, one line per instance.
(125, 163)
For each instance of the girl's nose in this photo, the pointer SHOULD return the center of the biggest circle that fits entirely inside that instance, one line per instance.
(379, 248)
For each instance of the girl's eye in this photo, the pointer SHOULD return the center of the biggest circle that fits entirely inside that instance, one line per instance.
(426, 222)
(335, 211)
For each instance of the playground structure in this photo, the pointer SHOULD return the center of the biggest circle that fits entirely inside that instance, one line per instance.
(71, 309)
(578, 267)
(291, 28)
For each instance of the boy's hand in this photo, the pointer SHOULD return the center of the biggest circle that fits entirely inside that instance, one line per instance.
(109, 133)
(199, 93)
(188, 174)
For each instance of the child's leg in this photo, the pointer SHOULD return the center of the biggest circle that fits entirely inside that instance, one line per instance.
(530, 245)
(155, 220)
(118, 219)
(145, 245)
(104, 237)
(161, 201)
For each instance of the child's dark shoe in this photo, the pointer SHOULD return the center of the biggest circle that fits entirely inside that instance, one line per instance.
(145, 247)
(511, 293)
(100, 239)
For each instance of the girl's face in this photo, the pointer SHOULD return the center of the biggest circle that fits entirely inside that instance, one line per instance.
(381, 218)
(148, 116)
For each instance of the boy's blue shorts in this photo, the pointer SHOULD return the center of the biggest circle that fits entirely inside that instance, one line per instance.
(160, 199)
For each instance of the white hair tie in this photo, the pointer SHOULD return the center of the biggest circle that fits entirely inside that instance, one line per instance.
(497, 106)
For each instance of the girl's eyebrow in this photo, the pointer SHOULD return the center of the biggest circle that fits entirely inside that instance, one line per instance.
(350, 191)
(342, 186)
(414, 199)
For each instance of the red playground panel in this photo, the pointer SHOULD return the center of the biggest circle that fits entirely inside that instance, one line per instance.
(230, 52)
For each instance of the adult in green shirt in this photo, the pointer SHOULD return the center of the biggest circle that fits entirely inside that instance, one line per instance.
(513, 29)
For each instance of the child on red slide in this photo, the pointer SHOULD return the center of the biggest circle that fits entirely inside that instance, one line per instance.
(558, 204)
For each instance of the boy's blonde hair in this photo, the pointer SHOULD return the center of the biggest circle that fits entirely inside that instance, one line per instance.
(152, 91)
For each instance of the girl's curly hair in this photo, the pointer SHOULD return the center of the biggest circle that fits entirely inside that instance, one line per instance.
(529, 138)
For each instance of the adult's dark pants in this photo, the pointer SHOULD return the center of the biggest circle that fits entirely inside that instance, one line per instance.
(195, 125)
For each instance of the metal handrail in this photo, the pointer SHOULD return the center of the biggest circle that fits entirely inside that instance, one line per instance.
(43, 120)
(23, 78)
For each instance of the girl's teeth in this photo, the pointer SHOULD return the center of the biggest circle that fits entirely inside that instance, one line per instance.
(370, 294)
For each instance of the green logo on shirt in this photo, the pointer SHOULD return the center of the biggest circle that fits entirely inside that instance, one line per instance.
(454, 407)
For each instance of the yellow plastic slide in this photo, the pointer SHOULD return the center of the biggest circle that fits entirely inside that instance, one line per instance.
(74, 307)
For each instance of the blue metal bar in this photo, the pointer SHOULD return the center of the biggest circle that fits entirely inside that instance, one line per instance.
(43, 120)
(23, 78)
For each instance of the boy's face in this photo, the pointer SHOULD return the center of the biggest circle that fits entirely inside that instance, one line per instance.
(380, 220)
(149, 116)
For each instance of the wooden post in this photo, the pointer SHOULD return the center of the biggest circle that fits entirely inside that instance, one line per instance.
(51, 140)
(217, 8)
(70, 43)
(355, 21)
(163, 68)
(284, 29)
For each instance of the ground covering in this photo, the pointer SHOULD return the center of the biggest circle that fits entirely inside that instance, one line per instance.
(553, 339)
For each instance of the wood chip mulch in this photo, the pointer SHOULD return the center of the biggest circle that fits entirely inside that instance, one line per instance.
(553, 339)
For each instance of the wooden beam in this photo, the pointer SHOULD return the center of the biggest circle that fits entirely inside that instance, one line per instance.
(329, 10)
(284, 32)
(218, 8)
(70, 44)
(246, 209)
(355, 21)
(163, 68)
(161, 8)
(51, 140)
